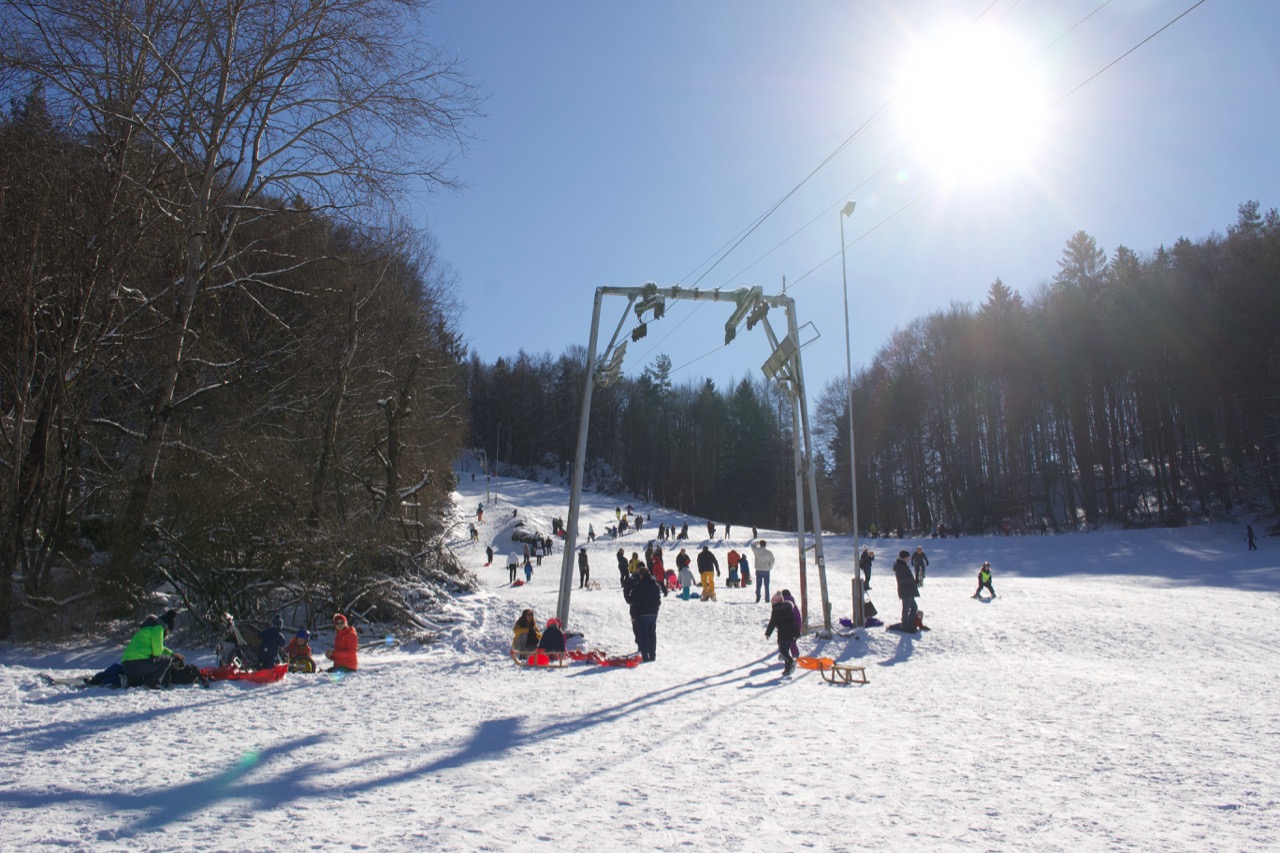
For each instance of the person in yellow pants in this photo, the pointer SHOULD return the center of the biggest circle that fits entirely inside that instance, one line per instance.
(708, 567)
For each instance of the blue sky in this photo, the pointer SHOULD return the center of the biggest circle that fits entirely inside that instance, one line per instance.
(632, 142)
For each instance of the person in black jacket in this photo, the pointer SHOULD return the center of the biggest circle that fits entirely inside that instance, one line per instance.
(271, 643)
(645, 598)
(864, 563)
(584, 569)
(708, 568)
(919, 561)
(622, 568)
(907, 591)
(783, 619)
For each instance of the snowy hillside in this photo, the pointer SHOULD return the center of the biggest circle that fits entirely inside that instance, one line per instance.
(1119, 694)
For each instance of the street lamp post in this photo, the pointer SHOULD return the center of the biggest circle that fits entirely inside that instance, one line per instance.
(847, 210)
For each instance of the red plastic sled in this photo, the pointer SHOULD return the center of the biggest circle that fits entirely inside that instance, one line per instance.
(257, 676)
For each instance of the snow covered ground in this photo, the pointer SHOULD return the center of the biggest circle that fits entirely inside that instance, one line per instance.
(1120, 694)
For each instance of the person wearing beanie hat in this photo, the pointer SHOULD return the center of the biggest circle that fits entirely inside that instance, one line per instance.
(345, 643)
(271, 643)
(908, 589)
(146, 660)
(170, 619)
(782, 619)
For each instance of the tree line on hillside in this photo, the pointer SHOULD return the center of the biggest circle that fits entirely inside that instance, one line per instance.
(1131, 390)
(228, 372)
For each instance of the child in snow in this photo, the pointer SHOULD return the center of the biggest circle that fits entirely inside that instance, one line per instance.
(685, 578)
(271, 642)
(345, 643)
(795, 611)
(552, 638)
(984, 580)
(782, 619)
(299, 647)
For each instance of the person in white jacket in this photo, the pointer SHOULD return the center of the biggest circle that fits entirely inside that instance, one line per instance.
(763, 559)
(513, 563)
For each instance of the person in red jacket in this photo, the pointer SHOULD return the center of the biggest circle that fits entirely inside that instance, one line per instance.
(345, 642)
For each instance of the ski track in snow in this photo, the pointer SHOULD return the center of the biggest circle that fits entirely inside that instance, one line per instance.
(1119, 694)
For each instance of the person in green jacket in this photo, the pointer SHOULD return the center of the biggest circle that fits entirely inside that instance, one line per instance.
(146, 660)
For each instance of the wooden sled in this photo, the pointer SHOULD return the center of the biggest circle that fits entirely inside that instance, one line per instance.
(838, 673)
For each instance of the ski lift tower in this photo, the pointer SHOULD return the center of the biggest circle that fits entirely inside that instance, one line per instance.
(783, 366)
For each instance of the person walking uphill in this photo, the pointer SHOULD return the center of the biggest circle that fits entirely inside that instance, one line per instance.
(145, 660)
(907, 591)
(345, 643)
(783, 620)
(645, 598)
(584, 570)
(764, 564)
(708, 568)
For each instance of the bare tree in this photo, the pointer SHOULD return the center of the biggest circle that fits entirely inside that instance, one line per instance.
(236, 111)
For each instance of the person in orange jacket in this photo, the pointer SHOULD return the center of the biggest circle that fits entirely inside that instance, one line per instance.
(345, 643)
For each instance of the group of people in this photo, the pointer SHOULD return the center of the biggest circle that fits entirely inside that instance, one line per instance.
(148, 662)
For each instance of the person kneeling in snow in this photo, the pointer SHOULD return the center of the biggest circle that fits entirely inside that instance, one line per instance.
(345, 643)
(146, 660)
(525, 636)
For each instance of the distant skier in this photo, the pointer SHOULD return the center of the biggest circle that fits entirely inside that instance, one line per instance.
(984, 580)
(918, 562)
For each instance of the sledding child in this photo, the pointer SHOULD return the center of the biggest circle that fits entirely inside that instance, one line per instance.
(345, 643)
(782, 619)
(552, 640)
(795, 611)
(299, 647)
(733, 568)
(984, 580)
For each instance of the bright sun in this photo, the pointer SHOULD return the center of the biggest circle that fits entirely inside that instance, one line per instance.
(971, 105)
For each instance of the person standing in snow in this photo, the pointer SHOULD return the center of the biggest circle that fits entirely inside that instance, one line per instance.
(708, 568)
(488, 553)
(537, 551)
(984, 580)
(764, 564)
(645, 598)
(146, 660)
(623, 571)
(732, 560)
(584, 570)
(480, 513)
(782, 620)
(907, 591)
(795, 611)
(864, 563)
(513, 564)
(1248, 535)
(918, 562)
(345, 644)
(685, 577)
(591, 533)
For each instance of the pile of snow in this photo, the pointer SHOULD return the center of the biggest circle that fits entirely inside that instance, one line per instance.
(1119, 694)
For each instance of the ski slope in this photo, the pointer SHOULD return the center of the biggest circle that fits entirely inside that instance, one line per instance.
(1119, 694)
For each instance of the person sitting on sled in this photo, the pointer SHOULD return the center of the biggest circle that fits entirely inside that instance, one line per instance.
(552, 640)
(299, 647)
(271, 642)
(345, 643)
(525, 636)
